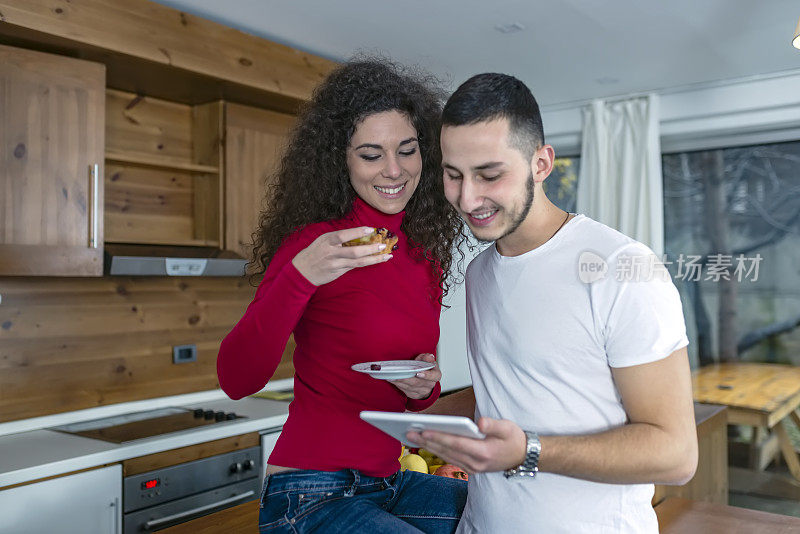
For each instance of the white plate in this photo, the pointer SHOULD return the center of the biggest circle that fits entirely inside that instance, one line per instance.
(393, 369)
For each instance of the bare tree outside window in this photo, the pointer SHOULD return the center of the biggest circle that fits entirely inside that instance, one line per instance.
(734, 203)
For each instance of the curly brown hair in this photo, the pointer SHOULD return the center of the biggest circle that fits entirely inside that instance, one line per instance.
(312, 182)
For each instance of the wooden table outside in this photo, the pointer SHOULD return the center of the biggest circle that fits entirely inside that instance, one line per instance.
(762, 395)
(682, 516)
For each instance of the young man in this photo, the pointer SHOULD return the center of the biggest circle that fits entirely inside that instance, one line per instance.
(581, 380)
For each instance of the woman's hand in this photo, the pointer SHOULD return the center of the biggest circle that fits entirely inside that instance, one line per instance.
(325, 259)
(420, 386)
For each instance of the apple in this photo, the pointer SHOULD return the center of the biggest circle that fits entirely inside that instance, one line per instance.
(432, 468)
(451, 471)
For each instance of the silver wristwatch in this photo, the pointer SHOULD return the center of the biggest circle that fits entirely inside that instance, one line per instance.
(529, 466)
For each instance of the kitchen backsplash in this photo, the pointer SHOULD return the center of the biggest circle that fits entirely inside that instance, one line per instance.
(73, 343)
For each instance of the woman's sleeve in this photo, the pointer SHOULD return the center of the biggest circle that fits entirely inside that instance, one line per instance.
(250, 353)
(417, 405)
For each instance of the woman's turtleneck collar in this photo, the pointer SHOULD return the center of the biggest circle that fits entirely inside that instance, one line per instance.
(366, 215)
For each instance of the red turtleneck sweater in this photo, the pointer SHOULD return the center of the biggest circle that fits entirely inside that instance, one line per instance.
(388, 311)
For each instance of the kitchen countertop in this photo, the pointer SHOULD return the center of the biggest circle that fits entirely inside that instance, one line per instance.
(36, 454)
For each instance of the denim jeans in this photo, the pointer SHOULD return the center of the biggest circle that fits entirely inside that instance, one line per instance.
(349, 501)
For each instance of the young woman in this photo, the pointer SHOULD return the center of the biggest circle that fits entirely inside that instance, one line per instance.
(364, 154)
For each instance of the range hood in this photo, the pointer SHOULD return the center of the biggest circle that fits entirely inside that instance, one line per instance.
(158, 260)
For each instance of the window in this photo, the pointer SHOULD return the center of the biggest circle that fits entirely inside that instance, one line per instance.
(562, 184)
(732, 235)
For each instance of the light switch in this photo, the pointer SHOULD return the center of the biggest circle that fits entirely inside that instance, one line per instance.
(184, 353)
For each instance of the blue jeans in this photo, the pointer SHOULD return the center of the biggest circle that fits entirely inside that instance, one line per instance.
(348, 501)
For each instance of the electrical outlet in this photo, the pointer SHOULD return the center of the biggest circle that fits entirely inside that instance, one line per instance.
(184, 353)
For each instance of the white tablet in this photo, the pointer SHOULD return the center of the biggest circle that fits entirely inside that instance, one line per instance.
(398, 424)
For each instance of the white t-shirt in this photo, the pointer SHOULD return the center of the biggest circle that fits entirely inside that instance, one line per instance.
(543, 331)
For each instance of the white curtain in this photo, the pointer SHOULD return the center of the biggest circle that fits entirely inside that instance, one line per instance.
(620, 180)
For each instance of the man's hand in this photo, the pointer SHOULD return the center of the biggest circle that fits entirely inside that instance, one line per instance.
(503, 448)
(421, 385)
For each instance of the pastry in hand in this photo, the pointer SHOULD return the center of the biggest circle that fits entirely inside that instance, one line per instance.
(379, 235)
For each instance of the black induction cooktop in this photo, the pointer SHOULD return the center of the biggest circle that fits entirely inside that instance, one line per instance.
(140, 425)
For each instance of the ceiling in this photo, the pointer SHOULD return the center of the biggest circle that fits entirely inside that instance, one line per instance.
(567, 51)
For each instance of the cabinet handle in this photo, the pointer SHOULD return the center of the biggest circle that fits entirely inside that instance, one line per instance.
(176, 518)
(95, 202)
(116, 511)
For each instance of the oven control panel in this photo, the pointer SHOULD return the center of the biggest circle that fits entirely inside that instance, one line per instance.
(177, 481)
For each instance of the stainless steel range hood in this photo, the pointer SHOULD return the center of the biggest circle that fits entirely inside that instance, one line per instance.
(157, 260)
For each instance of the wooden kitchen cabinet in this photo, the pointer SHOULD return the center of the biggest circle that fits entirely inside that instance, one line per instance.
(242, 519)
(52, 119)
(162, 178)
(164, 161)
(254, 141)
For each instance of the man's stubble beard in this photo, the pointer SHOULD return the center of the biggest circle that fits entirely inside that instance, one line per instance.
(520, 218)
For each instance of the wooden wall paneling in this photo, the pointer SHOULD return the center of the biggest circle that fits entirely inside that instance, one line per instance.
(68, 344)
(255, 139)
(51, 135)
(71, 343)
(99, 319)
(21, 289)
(159, 34)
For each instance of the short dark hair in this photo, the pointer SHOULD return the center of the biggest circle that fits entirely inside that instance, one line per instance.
(490, 96)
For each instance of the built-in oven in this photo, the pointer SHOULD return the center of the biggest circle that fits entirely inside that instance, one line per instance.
(179, 489)
(164, 497)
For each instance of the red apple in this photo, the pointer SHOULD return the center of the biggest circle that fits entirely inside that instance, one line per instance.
(451, 471)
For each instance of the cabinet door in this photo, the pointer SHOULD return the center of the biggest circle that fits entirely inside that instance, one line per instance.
(268, 442)
(52, 118)
(84, 503)
(254, 139)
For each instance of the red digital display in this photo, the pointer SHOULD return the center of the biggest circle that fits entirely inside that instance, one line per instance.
(150, 484)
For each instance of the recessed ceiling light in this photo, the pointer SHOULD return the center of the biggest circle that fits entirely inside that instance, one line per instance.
(512, 27)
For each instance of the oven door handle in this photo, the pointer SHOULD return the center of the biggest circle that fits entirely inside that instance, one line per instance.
(163, 521)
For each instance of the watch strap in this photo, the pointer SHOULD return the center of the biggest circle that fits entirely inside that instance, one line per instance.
(530, 465)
